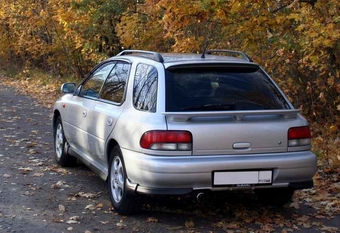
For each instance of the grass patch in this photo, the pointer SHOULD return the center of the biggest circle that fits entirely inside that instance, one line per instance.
(13, 72)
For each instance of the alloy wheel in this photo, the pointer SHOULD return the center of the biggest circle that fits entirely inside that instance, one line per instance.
(117, 179)
(59, 141)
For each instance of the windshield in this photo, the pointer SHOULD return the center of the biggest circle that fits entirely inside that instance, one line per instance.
(207, 89)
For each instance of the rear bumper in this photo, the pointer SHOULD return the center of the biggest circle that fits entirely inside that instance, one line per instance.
(176, 175)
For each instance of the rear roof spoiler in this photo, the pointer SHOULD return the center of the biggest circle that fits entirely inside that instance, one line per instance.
(238, 115)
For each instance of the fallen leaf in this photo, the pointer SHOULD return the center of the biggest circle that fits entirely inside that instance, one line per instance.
(38, 174)
(152, 219)
(25, 169)
(294, 205)
(71, 222)
(268, 228)
(61, 208)
(219, 224)
(120, 224)
(335, 187)
(317, 224)
(28, 193)
(32, 152)
(189, 224)
(35, 131)
(74, 218)
(306, 225)
(88, 195)
(303, 218)
(57, 220)
(90, 207)
(58, 185)
(330, 229)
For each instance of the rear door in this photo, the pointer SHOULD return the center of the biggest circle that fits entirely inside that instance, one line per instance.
(229, 110)
(107, 109)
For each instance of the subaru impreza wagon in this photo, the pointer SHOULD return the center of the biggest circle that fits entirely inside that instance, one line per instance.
(177, 123)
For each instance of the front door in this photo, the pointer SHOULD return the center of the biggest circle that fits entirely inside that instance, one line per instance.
(79, 121)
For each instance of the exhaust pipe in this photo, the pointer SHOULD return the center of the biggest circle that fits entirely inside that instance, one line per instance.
(200, 197)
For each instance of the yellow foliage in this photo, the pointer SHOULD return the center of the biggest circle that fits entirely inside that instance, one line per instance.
(297, 43)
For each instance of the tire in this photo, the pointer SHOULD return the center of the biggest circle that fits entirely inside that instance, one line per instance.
(277, 196)
(123, 200)
(61, 155)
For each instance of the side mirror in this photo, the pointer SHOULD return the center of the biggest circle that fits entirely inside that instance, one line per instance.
(68, 88)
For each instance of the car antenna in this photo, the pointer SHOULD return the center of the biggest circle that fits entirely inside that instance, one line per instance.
(205, 49)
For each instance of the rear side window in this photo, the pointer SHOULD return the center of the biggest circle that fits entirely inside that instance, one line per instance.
(145, 88)
(206, 89)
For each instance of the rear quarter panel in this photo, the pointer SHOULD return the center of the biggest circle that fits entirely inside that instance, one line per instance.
(133, 123)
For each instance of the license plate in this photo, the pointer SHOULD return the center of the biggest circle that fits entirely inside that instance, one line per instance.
(242, 177)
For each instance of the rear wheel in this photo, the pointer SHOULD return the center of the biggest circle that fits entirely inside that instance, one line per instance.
(278, 196)
(61, 155)
(123, 200)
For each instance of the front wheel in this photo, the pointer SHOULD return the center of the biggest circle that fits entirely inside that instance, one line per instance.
(61, 155)
(275, 196)
(123, 200)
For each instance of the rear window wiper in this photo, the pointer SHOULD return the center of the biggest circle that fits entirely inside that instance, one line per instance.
(210, 107)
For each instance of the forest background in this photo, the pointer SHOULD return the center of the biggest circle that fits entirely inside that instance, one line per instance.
(45, 42)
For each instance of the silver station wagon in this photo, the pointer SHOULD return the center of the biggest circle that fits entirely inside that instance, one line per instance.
(177, 124)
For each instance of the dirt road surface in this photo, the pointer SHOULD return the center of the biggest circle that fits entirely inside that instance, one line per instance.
(37, 196)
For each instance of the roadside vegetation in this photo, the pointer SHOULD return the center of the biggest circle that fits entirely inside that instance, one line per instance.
(44, 43)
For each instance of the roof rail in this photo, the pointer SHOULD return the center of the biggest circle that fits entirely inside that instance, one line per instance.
(149, 54)
(243, 55)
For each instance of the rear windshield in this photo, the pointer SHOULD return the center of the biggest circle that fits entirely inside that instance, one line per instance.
(207, 89)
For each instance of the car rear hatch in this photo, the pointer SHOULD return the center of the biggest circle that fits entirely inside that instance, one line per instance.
(228, 110)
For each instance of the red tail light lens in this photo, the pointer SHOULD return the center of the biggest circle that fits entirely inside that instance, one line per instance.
(166, 140)
(299, 136)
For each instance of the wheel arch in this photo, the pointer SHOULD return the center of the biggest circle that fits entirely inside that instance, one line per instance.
(56, 114)
(110, 145)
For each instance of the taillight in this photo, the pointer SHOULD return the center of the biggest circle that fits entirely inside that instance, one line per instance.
(167, 140)
(299, 136)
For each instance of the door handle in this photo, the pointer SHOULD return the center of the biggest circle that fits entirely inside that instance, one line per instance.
(84, 113)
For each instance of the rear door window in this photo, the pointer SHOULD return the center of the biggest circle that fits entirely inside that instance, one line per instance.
(114, 87)
(221, 89)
